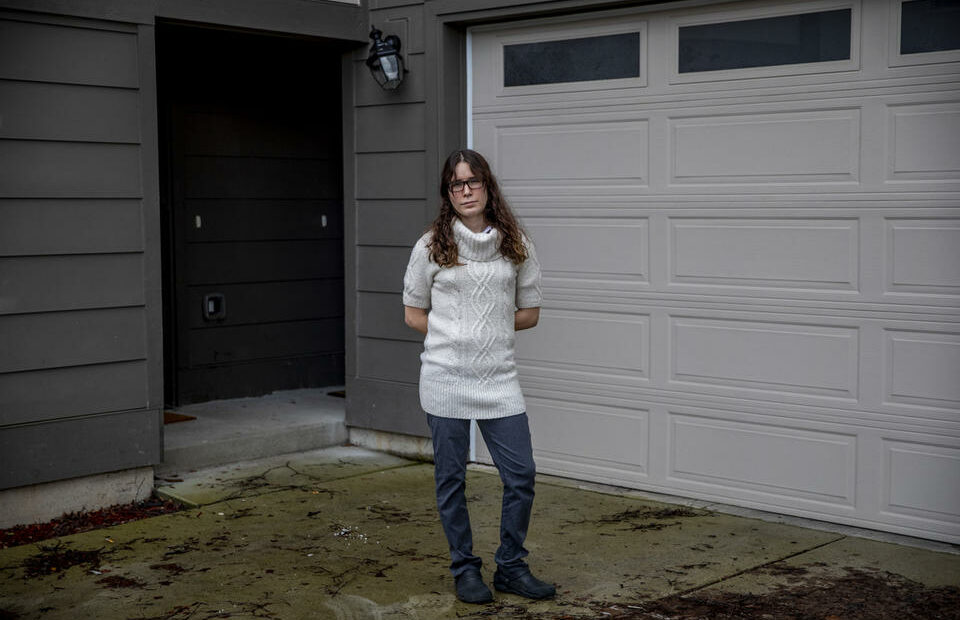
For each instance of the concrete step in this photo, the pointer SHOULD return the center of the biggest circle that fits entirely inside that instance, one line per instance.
(241, 429)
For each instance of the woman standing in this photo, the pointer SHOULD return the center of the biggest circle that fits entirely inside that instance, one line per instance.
(472, 281)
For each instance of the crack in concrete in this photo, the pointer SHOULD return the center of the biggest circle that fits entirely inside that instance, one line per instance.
(755, 568)
(252, 483)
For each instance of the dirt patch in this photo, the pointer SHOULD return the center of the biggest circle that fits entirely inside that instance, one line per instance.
(173, 569)
(118, 581)
(856, 595)
(674, 512)
(642, 519)
(76, 522)
(387, 513)
(57, 558)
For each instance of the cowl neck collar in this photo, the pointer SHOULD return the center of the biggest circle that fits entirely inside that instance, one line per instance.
(481, 246)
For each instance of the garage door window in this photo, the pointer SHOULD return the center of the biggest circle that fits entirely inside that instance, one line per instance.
(783, 40)
(929, 26)
(607, 57)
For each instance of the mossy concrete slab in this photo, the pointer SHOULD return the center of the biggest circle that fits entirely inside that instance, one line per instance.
(847, 556)
(288, 471)
(613, 548)
(370, 546)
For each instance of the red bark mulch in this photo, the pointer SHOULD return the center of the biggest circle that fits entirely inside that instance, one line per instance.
(76, 522)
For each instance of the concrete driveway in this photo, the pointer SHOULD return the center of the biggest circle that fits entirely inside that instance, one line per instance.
(350, 533)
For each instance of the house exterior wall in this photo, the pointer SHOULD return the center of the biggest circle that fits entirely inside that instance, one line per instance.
(80, 274)
(79, 380)
(80, 308)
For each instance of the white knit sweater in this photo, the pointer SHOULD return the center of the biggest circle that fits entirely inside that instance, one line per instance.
(467, 368)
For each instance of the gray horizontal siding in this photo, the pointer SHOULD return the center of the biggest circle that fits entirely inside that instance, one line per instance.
(394, 189)
(389, 360)
(380, 315)
(73, 318)
(386, 406)
(332, 20)
(391, 175)
(390, 128)
(45, 283)
(381, 269)
(33, 227)
(390, 222)
(69, 170)
(58, 339)
(76, 447)
(36, 52)
(379, 5)
(43, 111)
(41, 395)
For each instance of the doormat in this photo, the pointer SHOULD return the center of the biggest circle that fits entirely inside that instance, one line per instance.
(170, 417)
(338, 393)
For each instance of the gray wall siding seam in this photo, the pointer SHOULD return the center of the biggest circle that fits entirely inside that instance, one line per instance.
(150, 223)
(83, 416)
(117, 360)
(52, 19)
(24, 80)
(377, 104)
(6, 139)
(387, 152)
(60, 254)
(349, 73)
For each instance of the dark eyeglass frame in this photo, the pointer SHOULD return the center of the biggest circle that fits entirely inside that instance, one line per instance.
(457, 187)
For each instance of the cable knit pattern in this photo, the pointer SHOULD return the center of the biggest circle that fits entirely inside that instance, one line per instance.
(467, 367)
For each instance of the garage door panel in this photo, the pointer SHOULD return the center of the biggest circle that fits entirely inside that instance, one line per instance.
(564, 71)
(816, 254)
(923, 256)
(621, 248)
(924, 142)
(786, 462)
(591, 341)
(938, 466)
(808, 359)
(616, 439)
(922, 368)
(788, 147)
(764, 258)
(569, 153)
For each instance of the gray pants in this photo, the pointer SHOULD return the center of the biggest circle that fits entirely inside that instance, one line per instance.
(508, 440)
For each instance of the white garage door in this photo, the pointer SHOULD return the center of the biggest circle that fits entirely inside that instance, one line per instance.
(748, 220)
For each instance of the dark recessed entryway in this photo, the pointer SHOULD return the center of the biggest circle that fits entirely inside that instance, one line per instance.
(252, 202)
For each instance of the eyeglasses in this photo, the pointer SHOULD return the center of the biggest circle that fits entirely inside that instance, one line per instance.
(457, 186)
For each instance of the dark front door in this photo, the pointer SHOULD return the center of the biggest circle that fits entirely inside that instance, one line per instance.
(251, 131)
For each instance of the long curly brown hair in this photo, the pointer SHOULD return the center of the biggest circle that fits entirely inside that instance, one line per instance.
(443, 246)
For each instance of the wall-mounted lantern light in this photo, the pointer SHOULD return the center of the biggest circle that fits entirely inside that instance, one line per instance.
(384, 60)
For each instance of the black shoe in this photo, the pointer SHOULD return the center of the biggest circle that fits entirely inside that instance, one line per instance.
(471, 589)
(525, 585)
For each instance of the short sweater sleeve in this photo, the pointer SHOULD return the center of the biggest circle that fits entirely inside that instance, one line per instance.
(418, 279)
(529, 293)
